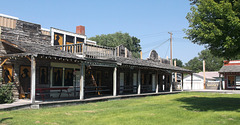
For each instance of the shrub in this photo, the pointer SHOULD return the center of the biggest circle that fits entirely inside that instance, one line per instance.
(6, 94)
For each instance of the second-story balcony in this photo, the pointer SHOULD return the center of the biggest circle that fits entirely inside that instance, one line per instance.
(90, 51)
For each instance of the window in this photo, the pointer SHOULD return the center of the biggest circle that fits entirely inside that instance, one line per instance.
(7, 73)
(43, 75)
(69, 40)
(238, 80)
(58, 39)
(231, 80)
(68, 77)
(57, 76)
(62, 77)
(80, 40)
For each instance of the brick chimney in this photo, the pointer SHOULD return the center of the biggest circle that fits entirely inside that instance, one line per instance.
(80, 30)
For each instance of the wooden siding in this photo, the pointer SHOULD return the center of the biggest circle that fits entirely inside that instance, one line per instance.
(44, 32)
(8, 22)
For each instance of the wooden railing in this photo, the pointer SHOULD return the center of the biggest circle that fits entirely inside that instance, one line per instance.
(128, 89)
(89, 50)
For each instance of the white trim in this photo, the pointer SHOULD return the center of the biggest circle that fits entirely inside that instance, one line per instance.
(45, 29)
(90, 41)
(7, 16)
(231, 62)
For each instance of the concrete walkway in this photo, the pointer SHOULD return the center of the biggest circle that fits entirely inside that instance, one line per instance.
(217, 91)
(18, 104)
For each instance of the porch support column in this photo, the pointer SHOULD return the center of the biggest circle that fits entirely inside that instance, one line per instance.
(171, 83)
(139, 81)
(33, 79)
(220, 82)
(115, 81)
(82, 81)
(182, 82)
(191, 81)
(156, 82)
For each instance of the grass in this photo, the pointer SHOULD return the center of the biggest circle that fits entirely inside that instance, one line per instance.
(184, 108)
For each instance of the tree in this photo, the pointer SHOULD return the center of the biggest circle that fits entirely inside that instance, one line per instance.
(194, 64)
(212, 63)
(112, 40)
(179, 62)
(216, 24)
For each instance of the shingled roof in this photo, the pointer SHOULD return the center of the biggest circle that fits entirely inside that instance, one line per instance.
(150, 63)
(230, 68)
(31, 48)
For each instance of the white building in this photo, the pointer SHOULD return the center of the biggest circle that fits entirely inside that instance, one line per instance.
(212, 81)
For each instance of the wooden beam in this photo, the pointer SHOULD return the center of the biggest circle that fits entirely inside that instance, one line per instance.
(28, 58)
(175, 64)
(4, 62)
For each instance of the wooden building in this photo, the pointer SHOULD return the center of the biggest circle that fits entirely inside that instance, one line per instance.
(47, 64)
(231, 74)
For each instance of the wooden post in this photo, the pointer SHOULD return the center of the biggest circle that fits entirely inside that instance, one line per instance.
(182, 81)
(220, 82)
(175, 64)
(157, 82)
(204, 76)
(82, 81)
(0, 33)
(115, 81)
(33, 79)
(139, 81)
(191, 81)
(171, 85)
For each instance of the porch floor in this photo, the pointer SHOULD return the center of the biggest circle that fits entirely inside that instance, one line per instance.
(26, 103)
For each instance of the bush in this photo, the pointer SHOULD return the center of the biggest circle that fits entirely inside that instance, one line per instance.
(6, 94)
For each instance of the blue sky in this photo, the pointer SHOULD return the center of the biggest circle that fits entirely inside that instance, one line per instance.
(148, 20)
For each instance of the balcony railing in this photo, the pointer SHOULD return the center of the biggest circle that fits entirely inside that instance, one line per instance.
(89, 50)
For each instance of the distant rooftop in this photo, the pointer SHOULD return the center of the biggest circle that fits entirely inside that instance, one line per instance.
(209, 75)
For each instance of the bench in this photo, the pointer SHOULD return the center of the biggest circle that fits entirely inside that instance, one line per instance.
(46, 91)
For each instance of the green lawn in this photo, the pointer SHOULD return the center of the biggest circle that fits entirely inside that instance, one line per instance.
(184, 108)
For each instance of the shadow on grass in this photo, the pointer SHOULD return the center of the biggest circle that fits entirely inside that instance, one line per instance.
(211, 104)
(3, 119)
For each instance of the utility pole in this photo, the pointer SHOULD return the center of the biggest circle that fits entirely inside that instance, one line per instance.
(171, 61)
(204, 77)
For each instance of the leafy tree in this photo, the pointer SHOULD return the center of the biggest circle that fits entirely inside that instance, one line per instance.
(179, 62)
(194, 64)
(216, 24)
(112, 40)
(212, 63)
